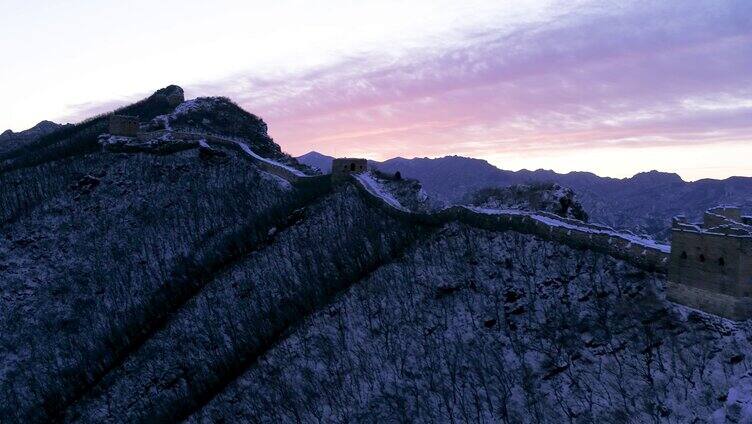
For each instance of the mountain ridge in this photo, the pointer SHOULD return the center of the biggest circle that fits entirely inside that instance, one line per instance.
(12, 140)
(161, 285)
(42, 127)
(315, 155)
(643, 203)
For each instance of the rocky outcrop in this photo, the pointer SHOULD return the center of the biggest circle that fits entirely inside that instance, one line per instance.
(546, 197)
(173, 94)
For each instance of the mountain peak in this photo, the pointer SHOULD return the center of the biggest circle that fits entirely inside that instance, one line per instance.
(315, 154)
(170, 89)
(217, 115)
(655, 177)
(38, 130)
(174, 94)
(317, 160)
(45, 125)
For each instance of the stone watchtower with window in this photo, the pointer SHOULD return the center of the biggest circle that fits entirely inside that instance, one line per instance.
(343, 167)
(711, 263)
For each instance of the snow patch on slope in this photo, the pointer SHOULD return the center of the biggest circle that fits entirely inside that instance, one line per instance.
(375, 188)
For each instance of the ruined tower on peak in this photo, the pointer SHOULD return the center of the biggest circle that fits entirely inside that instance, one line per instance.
(124, 126)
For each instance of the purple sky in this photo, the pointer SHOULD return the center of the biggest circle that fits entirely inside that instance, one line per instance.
(614, 88)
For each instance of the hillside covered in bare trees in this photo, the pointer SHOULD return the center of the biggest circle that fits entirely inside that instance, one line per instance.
(193, 285)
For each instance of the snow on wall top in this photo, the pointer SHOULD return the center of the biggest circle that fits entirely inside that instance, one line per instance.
(373, 187)
(254, 155)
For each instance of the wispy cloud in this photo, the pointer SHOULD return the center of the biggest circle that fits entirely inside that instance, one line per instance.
(635, 75)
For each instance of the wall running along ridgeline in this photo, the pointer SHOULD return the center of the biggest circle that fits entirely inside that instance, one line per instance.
(642, 253)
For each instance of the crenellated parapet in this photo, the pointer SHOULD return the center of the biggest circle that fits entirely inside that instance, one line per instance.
(711, 263)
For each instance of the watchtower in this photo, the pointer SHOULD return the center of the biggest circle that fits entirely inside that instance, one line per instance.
(343, 167)
(122, 125)
(711, 263)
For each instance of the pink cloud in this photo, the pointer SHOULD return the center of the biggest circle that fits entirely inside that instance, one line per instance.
(599, 80)
(609, 77)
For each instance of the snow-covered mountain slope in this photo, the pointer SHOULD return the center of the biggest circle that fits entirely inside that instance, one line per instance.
(198, 284)
(113, 244)
(99, 248)
(221, 117)
(81, 139)
(474, 326)
(246, 309)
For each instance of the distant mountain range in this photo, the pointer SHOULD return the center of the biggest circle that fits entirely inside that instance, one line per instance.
(643, 203)
(10, 140)
(38, 130)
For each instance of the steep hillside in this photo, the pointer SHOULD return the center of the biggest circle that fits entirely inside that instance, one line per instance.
(474, 326)
(113, 245)
(219, 282)
(245, 310)
(100, 248)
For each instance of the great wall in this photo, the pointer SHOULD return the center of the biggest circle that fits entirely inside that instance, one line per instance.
(718, 291)
(643, 253)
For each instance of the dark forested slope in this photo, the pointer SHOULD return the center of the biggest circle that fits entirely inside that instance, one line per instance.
(100, 248)
(475, 326)
(115, 247)
(141, 287)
